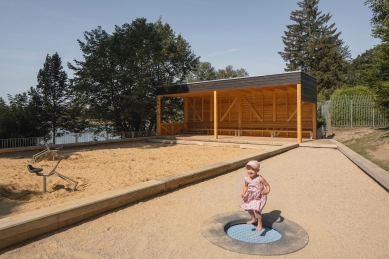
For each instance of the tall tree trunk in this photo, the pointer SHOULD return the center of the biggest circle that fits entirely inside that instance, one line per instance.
(53, 133)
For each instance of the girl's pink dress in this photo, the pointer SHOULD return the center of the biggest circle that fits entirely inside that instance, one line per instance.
(253, 200)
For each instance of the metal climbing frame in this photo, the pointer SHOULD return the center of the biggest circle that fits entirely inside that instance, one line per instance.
(47, 150)
(38, 171)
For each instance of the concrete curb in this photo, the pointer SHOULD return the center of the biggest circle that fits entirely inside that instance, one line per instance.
(28, 225)
(21, 149)
(374, 171)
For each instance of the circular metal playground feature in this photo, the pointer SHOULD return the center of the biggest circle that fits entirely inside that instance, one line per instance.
(247, 233)
(278, 236)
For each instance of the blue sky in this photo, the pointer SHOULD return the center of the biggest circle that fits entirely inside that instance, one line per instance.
(244, 34)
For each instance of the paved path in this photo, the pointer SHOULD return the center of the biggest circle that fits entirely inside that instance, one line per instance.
(344, 212)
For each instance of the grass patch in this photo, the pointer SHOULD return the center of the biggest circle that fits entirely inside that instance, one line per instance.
(371, 146)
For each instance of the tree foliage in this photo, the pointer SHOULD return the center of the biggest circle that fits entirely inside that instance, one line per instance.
(362, 69)
(356, 90)
(205, 71)
(120, 73)
(380, 75)
(19, 119)
(48, 107)
(4, 116)
(229, 72)
(50, 98)
(380, 19)
(313, 46)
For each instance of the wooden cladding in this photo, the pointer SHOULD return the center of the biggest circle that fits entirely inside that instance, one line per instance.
(260, 111)
(171, 128)
(245, 108)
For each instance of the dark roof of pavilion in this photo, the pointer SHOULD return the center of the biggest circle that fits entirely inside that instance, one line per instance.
(308, 84)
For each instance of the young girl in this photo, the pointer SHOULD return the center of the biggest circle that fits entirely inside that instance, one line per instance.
(254, 193)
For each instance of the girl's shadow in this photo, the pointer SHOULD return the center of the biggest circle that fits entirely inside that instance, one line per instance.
(273, 217)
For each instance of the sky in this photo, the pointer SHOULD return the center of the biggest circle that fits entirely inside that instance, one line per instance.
(245, 34)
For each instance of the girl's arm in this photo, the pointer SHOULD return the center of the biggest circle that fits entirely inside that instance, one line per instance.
(267, 186)
(245, 187)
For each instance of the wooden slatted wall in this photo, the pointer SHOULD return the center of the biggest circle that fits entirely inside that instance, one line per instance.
(256, 113)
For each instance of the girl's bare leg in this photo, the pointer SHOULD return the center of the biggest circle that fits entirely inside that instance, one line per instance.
(253, 218)
(259, 216)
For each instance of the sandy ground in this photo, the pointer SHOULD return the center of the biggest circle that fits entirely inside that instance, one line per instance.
(344, 212)
(98, 169)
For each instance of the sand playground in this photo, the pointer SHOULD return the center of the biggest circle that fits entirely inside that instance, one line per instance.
(98, 169)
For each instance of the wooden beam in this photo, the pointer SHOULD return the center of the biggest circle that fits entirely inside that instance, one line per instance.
(287, 109)
(194, 109)
(229, 103)
(299, 115)
(202, 109)
(186, 113)
(263, 100)
(287, 105)
(252, 108)
(229, 108)
(292, 115)
(220, 105)
(240, 112)
(291, 88)
(314, 120)
(274, 108)
(195, 113)
(215, 120)
(210, 109)
(178, 129)
(268, 90)
(166, 128)
(281, 88)
(158, 115)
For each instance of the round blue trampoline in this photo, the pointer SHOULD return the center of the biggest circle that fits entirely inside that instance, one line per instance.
(247, 233)
(279, 235)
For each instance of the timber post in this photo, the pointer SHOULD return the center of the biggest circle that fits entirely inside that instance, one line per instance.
(186, 114)
(299, 115)
(314, 120)
(158, 115)
(215, 119)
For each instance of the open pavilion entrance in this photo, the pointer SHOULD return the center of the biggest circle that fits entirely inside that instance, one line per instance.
(281, 105)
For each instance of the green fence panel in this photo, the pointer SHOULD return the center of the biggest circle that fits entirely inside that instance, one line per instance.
(355, 111)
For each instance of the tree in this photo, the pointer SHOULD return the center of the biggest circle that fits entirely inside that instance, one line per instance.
(49, 97)
(359, 69)
(5, 118)
(380, 29)
(380, 19)
(356, 90)
(313, 46)
(18, 119)
(204, 71)
(229, 72)
(121, 72)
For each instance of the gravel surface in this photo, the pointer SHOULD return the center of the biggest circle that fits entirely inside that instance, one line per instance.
(344, 212)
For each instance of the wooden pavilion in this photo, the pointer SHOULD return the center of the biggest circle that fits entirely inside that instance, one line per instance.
(279, 105)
